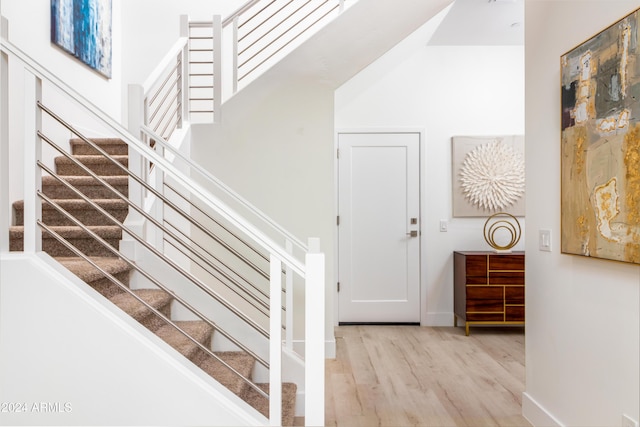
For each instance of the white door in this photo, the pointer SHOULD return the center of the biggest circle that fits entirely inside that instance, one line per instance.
(379, 227)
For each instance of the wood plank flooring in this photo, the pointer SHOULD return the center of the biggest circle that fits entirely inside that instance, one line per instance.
(422, 376)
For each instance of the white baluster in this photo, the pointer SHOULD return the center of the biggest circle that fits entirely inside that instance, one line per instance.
(289, 298)
(32, 154)
(184, 73)
(217, 68)
(275, 342)
(136, 117)
(235, 54)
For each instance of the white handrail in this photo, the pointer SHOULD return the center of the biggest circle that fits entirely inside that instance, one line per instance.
(194, 188)
(166, 62)
(242, 9)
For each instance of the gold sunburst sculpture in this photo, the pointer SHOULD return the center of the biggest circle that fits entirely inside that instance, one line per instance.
(502, 222)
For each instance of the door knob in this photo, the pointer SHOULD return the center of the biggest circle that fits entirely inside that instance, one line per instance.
(413, 233)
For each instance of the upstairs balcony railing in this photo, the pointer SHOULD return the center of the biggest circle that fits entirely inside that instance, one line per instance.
(226, 55)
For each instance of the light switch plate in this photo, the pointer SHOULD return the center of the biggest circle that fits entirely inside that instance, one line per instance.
(544, 240)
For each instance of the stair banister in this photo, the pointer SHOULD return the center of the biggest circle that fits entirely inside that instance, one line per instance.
(160, 162)
(311, 270)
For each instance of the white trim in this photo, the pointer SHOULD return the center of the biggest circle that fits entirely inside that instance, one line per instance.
(437, 319)
(536, 414)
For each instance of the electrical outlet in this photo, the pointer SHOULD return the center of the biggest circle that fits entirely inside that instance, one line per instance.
(627, 421)
(444, 226)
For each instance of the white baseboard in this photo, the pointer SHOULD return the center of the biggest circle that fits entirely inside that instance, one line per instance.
(437, 319)
(536, 414)
(329, 348)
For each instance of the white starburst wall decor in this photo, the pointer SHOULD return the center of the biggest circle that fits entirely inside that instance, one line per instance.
(488, 175)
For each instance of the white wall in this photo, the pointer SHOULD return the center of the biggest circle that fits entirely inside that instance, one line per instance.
(29, 28)
(106, 369)
(583, 324)
(282, 163)
(445, 91)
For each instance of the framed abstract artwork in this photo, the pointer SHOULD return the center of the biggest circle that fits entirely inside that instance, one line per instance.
(600, 145)
(488, 175)
(83, 29)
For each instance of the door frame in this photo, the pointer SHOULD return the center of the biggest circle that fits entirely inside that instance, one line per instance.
(336, 188)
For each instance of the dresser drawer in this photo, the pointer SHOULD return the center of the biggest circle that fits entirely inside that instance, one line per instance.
(506, 262)
(514, 294)
(506, 277)
(485, 299)
(514, 314)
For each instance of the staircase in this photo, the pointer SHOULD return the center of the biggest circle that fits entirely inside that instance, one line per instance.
(128, 300)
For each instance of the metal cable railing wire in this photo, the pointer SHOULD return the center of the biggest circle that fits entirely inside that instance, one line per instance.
(125, 288)
(117, 253)
(179, 269)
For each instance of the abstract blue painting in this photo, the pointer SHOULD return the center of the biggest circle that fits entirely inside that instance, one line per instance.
(83, 28)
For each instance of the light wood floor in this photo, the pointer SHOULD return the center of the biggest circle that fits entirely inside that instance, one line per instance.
(421, 376)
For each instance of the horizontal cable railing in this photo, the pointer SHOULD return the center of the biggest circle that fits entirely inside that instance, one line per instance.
(152, 220)
(180, 229)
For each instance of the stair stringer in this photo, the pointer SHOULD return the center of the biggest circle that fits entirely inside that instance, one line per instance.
(106, 369)
(292, 363)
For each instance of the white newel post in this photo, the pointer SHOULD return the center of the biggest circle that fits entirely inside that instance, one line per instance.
(289, 299)
(5, 205)
(184, 72)
(136, 117)
(314, 335)
(217, 68)
(235, 55)
(275, 342)
(32, 154)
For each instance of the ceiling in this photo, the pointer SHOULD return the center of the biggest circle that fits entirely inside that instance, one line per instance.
(481, 22)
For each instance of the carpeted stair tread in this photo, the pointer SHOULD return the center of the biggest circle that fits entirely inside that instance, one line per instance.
(118, 268)
(261, 403)
(73, 231)
(78, 208)
(99, 164)
(74, 235)
(110, 145)
(87, 185)
(238, 360)
(199, 330)
(156, 298)
(88, 272)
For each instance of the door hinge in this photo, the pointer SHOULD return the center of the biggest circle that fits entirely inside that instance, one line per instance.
(337, 153)
(338, 286)
(338, 220)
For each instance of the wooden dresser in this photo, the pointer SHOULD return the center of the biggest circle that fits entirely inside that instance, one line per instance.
(488, 288)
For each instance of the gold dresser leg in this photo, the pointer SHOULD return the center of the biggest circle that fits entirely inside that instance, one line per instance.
(466, 328)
